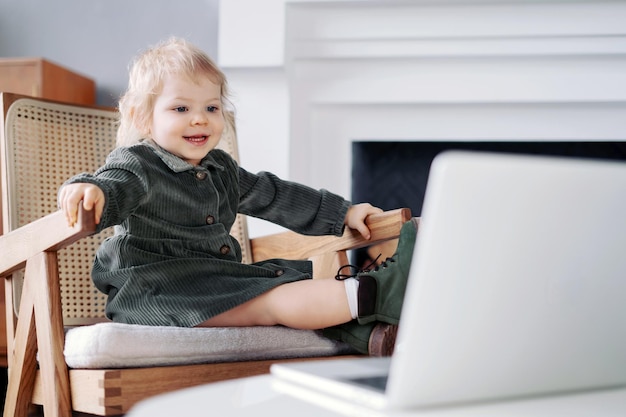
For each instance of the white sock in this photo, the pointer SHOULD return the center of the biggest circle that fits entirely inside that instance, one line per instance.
(352, 292)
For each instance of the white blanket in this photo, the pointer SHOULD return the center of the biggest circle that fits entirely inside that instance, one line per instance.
(116, 345)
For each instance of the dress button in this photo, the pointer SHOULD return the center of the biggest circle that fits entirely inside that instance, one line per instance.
(210, 219)
(225, 250)
(201, 175)
(279, 272)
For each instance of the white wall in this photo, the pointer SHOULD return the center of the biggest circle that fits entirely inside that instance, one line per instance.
(251, 53)
(251, 33)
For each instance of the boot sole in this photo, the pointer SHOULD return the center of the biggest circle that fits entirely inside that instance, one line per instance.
(382, 340)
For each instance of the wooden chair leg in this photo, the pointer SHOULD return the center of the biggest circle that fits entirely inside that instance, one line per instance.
(51, 337)
(39, 325)
(22, 358)
(10, 315)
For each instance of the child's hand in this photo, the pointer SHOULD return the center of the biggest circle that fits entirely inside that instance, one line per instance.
(71, 195)
(355, 218)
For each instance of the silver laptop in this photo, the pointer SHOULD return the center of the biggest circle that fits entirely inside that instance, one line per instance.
(517, 288)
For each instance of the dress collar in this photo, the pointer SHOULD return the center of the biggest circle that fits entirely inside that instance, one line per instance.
(175, 163)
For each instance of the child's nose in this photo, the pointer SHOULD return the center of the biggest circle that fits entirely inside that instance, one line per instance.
(199, 118)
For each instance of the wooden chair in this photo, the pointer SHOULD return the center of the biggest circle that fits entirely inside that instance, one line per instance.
(46, 264)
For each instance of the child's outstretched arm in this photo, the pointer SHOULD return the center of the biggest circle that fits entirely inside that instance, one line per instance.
(71, 195)
(356, 215)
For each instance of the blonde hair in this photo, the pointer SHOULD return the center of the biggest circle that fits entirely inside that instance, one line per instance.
(174, 56)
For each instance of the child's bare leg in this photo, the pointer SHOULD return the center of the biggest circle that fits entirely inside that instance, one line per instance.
(308, 304)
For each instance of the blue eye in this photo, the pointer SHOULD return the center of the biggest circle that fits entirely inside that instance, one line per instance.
(180, 109)
(212, 109)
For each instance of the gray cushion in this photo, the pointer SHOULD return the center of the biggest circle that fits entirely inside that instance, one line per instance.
(116, 345)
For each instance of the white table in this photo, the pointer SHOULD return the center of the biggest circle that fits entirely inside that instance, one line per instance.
(256, 396)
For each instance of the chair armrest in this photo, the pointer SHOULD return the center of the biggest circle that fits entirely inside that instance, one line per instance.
(49, 233)
(291, 245)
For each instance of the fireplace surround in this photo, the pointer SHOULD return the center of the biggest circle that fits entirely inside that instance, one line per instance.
(448, 71)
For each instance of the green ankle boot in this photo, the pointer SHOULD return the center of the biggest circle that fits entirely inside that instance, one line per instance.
(381, 290)
(374, 339)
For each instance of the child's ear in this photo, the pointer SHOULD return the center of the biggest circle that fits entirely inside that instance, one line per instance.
(140, 123)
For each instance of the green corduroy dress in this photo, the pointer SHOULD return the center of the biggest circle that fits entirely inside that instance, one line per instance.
(172, 261)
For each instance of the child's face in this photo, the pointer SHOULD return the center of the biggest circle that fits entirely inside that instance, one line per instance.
(187, 119)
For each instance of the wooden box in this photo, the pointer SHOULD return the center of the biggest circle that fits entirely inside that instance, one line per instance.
(38, 77)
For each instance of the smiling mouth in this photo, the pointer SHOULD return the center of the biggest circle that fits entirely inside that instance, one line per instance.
(195, 139)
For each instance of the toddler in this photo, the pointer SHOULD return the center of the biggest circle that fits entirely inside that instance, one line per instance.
(173, 198)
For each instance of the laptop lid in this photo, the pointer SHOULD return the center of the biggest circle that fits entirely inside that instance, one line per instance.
(517, 287)
(518, 283)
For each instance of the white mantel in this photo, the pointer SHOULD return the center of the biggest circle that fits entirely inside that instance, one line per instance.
(419, 70)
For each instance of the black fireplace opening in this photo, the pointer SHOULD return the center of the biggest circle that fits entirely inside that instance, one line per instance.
(394, 174)
(390, 175)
